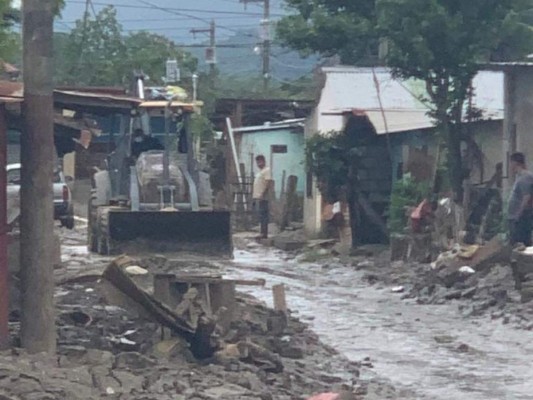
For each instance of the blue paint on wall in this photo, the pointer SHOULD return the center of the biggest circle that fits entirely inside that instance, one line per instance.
(292, 162)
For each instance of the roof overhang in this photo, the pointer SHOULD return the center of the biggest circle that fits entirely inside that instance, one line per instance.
(508, 66)
(402, 120)
(96, 103)
(296, 123)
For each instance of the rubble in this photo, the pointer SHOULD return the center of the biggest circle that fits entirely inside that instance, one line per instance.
(112, 348)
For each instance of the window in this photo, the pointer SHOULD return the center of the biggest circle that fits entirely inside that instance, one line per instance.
(13, 177)
(279, 149)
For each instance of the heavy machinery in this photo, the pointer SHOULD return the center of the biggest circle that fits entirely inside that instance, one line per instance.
(159, 200)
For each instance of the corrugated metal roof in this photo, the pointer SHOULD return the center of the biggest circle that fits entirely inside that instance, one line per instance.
(287, 124)
(352, 88)
(99, 96)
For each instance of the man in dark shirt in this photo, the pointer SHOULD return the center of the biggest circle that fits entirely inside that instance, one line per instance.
(142, 143)
(520, 211)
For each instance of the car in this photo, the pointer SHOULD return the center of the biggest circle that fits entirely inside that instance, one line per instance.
(63, 207)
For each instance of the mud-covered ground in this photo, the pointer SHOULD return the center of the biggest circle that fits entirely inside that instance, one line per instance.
(468, 340)
(385, 330)
(105, 351)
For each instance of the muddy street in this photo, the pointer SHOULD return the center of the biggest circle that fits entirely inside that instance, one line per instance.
(430, 350)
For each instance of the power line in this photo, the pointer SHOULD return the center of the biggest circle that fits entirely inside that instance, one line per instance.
(211, 50)
(169, 28)
(301, 67)
(167, 9)
(92, 8)
(162, 19)
(267, 41)
(172, 11)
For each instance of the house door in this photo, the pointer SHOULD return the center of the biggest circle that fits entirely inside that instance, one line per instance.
(278, 162)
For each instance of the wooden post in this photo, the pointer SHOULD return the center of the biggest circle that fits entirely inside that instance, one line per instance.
(4, 289)
(162, 293)
(280, 302)
(38, 332)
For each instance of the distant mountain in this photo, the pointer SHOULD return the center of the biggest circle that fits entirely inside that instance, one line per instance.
(241, 55)
(237, 31)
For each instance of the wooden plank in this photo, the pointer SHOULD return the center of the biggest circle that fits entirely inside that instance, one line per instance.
(115, 274)
(280, 301)
(249, 282)
(163, 294)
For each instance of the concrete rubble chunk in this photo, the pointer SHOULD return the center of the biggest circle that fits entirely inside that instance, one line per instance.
(133, 361)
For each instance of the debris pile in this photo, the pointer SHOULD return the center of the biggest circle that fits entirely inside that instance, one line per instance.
(119, 337)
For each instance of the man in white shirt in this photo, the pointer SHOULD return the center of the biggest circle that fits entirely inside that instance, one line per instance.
(262, 184)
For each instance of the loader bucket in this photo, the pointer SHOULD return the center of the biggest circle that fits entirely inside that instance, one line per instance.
(202, 232)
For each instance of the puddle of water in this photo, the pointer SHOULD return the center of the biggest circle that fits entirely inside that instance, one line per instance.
(399, 336)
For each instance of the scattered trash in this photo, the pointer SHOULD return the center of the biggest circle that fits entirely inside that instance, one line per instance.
(528, 250)
(467, 270)
(127, 341)
(398, 289)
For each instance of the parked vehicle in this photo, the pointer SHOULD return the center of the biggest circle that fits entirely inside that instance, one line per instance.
(63, 207)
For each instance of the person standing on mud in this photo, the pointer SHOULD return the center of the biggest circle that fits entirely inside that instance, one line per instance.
(260, 193)
(520, 211)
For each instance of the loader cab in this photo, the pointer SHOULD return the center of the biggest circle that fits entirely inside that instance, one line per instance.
(166, 123)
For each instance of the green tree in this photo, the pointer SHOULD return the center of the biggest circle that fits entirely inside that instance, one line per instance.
(10, 44)
(148, 52)
(343, 28)
(94, 52)
(441, 42)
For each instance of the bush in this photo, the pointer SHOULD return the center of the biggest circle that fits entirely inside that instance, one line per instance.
(406, 192)
(332, 159)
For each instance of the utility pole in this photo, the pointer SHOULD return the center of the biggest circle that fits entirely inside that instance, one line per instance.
(267, 40)
(38, 333)
(211, 50)
(4, 272)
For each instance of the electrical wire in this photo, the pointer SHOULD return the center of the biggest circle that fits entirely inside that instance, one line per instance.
(122, 21)
(278, 61)
(153, 6)
(171, 11)
(92, 8)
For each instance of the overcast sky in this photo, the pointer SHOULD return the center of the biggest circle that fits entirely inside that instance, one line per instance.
(175, 18)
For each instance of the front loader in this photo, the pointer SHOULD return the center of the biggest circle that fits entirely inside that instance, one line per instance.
(158, 201)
